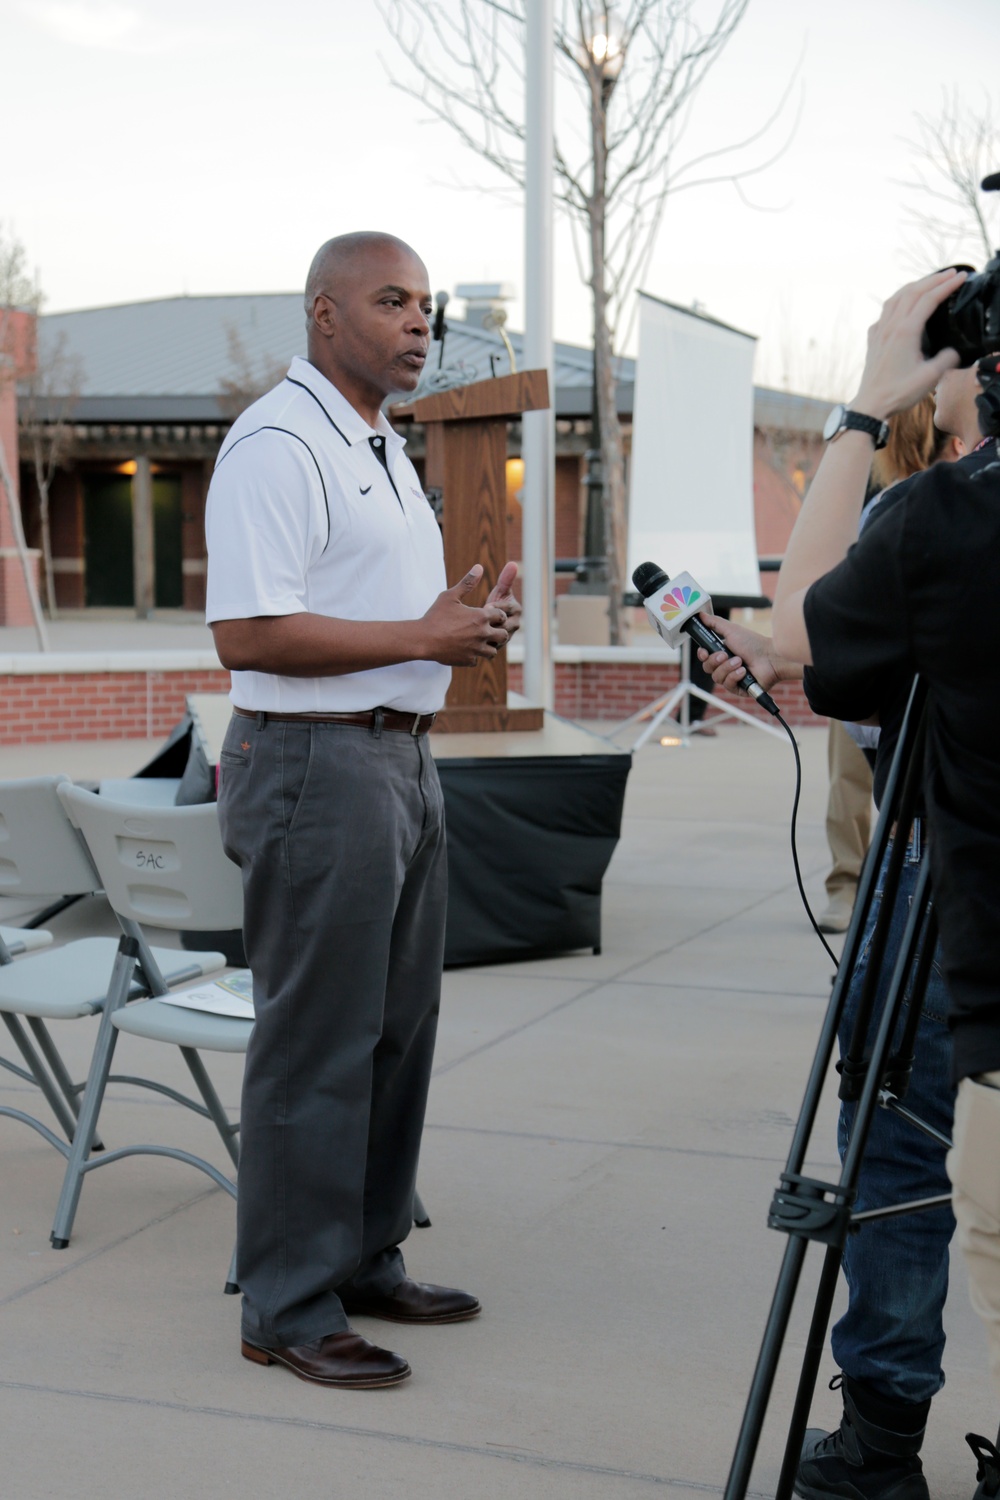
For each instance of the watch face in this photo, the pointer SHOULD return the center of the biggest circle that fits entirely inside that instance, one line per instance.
(833, 423)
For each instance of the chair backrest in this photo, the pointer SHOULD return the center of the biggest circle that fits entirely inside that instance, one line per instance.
(41, 853)
(163, 866)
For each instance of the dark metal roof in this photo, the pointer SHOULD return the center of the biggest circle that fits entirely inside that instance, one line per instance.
(168, 361)
(179, 346)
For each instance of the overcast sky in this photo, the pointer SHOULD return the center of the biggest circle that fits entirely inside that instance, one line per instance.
(155, 147)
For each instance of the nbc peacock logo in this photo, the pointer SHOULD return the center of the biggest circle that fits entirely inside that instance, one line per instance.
(677, 600)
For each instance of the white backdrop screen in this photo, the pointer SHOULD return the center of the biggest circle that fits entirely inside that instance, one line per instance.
(691, 490)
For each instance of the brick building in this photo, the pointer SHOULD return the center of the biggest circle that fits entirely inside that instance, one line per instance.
(159, 382)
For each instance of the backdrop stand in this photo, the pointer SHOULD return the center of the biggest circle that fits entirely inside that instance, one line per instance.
(661, 708)
(694, 508)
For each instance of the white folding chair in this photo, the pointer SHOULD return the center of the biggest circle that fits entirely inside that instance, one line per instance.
(162, 867)
(17, 940)
(41, 856)
(13, 942)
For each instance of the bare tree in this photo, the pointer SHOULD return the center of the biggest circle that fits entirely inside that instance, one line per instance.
(47, 397)
(825, 366)
(19, 294)
(250, 376)
(952, 153)
(626, 86)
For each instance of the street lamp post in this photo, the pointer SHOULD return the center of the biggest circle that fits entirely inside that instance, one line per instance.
(538, 427)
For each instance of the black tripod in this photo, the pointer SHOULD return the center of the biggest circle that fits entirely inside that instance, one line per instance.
(806, 1209)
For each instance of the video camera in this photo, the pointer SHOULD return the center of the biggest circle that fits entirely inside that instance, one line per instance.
(970, 319)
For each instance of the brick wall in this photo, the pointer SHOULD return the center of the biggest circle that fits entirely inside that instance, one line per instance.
(614, 690)
(57, 706)
(98, 705)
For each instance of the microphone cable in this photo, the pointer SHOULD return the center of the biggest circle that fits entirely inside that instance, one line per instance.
(795, 852)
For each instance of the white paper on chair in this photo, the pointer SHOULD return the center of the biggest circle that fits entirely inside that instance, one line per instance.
(232, 996)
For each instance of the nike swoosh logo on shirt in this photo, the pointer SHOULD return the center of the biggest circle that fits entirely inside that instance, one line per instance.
(363, 491)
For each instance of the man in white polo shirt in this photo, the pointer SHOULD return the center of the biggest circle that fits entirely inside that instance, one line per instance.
(327, 599)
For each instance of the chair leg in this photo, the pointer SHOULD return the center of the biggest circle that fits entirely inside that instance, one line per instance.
(93, 1094)
(420, 1215)
(213, 1103)
(226, 1129)
(57, 1068)
(56, 1102)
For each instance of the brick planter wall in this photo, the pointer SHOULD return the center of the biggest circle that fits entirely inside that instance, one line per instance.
(98, 705)
(121, 702)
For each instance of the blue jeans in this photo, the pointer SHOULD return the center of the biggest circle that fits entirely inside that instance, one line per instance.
(897, 1269)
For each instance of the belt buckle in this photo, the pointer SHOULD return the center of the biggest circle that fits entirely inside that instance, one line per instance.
(415, 726)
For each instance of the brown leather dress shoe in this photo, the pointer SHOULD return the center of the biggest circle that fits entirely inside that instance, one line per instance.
(342, 1359)
(413, 1302)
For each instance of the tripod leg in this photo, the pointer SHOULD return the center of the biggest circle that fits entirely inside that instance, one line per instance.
(665, 709)
(815, 1344)
(796, 1193)
(686, 678)
(767, 1364)
(902, 1063)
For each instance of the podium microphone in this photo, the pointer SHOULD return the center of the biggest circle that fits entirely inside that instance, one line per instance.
(439, 327)
(673, 606)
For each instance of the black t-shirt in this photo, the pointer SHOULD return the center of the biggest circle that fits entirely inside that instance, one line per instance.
(839, 700)
(919, 593)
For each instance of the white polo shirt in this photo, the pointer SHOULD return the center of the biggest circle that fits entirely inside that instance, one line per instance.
(311, 510)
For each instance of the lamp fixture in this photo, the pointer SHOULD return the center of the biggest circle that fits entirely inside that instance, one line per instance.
(603, 43)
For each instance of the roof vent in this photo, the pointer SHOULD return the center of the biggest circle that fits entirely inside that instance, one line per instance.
(482, 298)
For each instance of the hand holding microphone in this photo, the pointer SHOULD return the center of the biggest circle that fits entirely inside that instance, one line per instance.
(744, 649)
(674, 607)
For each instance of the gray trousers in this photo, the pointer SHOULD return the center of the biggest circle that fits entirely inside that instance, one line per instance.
(339, 834)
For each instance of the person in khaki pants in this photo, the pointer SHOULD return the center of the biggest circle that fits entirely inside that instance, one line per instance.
(848, 825)
(974, 1169)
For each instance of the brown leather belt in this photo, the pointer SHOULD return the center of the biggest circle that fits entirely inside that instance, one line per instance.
(375, 719)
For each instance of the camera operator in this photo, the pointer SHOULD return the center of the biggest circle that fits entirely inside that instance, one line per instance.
(912, 596)
(890, 1341)
(915, 443)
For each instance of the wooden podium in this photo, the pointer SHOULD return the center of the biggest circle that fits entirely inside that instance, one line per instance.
(466, 457)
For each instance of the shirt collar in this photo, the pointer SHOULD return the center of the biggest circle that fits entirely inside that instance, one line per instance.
(341, 414)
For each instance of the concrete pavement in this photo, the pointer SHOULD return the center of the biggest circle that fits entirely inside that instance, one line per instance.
(603, 1140)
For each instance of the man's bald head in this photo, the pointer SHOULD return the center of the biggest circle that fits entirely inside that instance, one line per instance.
(339, 260)
(368, 310)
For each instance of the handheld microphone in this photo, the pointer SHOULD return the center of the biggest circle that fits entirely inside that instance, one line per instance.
(673, 606)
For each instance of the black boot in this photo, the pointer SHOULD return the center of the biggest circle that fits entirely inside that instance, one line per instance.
(873, 1453)
(988, 1466)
